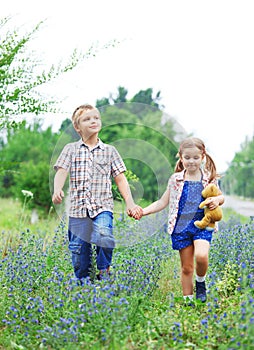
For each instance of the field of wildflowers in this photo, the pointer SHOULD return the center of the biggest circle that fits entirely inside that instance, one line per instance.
(140, 307)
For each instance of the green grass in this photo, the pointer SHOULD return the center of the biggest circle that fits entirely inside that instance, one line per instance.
(14, 217)
(228, 213)
(10, 211)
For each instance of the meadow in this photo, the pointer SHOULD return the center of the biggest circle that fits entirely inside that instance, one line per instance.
(43, 307)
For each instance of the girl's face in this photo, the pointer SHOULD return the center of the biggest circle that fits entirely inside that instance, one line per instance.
(191, 159)
(89, 123)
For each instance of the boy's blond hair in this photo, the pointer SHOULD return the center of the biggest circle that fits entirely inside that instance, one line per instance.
(78, 111)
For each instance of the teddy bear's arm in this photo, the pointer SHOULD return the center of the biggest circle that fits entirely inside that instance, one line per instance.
(204, 203)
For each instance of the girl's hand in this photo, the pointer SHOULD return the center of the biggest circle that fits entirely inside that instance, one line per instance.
(135, 212)
(213, 202)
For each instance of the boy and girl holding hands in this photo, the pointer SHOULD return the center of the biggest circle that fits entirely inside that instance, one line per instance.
(91, 164)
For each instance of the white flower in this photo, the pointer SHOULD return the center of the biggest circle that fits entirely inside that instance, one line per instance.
(27, 193)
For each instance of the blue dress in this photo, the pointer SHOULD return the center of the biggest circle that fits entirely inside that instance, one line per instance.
(189, 210)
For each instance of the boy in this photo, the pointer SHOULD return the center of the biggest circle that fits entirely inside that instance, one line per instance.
(91, 163)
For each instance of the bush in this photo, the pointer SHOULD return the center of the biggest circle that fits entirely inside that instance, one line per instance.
(33, 177)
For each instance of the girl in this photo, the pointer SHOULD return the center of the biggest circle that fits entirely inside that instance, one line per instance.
(183, 194)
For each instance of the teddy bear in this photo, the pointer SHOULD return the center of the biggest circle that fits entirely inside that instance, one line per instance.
(211, 216)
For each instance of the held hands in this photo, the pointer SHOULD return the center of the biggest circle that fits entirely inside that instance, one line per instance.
(135, 212)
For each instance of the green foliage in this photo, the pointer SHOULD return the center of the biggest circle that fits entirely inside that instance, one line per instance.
(147, 145)
(145, 142)
(230, 280)
(144, 97)
(26, 155)
(17, 78)
(239, 178)
(143, 135)
(122, 95)
(33, 177)
(20, 77)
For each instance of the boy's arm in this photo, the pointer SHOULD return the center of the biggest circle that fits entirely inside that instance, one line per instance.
(59, 181)
(157, 205)
(125, 191)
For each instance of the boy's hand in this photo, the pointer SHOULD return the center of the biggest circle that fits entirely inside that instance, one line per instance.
(58, 197)
(136, 212)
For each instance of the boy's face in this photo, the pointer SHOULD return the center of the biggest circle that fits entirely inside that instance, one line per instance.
(88, 123)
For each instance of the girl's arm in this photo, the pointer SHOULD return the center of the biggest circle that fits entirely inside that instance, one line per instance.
(59, 181)
(158, 205)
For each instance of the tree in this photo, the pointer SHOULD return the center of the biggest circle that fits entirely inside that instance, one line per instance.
(239, 177)
(143, 138)
(26, 155)
(121, 97)
(20, 96)
(144, 97)
(20, 79)
(146, 140)
(33, 177)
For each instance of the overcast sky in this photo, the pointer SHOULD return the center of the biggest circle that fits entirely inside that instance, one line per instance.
(199, 54)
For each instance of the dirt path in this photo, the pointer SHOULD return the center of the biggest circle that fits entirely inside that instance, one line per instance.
(242, 206)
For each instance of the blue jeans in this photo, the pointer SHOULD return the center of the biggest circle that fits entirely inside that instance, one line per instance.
(82, 233)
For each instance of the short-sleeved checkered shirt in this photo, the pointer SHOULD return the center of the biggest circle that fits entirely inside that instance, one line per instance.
(90, 172)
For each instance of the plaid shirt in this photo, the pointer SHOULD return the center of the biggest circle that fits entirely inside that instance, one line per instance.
(90, 176)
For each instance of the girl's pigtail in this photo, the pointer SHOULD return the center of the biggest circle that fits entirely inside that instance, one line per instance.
(210, 167)
(179, 166)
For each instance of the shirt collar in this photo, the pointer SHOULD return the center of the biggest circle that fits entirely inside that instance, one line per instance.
(99, 144)
(180, 175)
